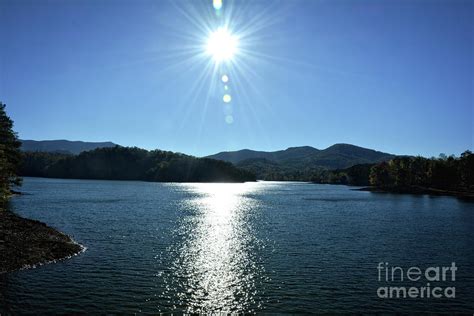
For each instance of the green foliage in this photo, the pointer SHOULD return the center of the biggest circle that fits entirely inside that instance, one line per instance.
(270, 170)
(446, 173)
(379, 175)
(402, 173)
(37, 163)
(466, 169)
(355, 175)
(358, 174)
(10, 155)
(132, 163)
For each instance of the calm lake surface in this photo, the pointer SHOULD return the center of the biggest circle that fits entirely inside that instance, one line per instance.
(266, 246)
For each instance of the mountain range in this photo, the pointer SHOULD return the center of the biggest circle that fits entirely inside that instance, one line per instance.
(334, 157)
(301, 163)
(62, 146)
(294, 163)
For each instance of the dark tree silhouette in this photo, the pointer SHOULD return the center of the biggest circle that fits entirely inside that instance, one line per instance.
(409, 174)
(380, 175)
(10, 155)
(132, 163)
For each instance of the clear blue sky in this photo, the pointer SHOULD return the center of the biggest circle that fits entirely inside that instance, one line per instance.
(396, 76)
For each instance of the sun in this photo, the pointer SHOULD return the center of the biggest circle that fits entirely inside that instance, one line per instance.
(222, 45)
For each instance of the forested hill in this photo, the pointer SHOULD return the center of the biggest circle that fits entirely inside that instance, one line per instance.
(301, 163)
(276, 156)
(63, 146)
(131, 163)
(335, 156)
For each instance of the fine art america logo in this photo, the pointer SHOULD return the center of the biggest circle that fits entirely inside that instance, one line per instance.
(403, 283)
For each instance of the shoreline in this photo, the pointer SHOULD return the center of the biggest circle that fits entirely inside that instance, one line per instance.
(26, 243)
(131, 180)
(469, 196)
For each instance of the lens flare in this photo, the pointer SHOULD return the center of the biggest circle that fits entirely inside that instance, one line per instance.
(227, 98)
(225, 78)
(222, 45)
(217, 4)
(229, 119)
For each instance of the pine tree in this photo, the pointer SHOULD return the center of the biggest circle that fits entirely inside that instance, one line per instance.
(10, 155)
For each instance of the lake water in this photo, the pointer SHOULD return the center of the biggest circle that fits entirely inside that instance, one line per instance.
(266, 246)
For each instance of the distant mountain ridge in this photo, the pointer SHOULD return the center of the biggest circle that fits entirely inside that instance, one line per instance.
(244, 154)
(293, 161)
(302, 163)
(62, 145)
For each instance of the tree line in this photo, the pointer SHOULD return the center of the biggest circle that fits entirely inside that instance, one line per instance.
(114, 163)
(445, 173)
(131, 163)
(405, 173)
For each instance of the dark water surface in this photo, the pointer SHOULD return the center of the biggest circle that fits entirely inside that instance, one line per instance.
(274, 247)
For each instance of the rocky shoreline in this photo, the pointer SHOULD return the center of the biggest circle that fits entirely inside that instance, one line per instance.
(26, 243)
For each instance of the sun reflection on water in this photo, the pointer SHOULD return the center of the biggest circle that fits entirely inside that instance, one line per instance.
(217, 266)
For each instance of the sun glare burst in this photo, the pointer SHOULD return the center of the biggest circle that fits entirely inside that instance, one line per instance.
(222, 45)
(222, 39)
